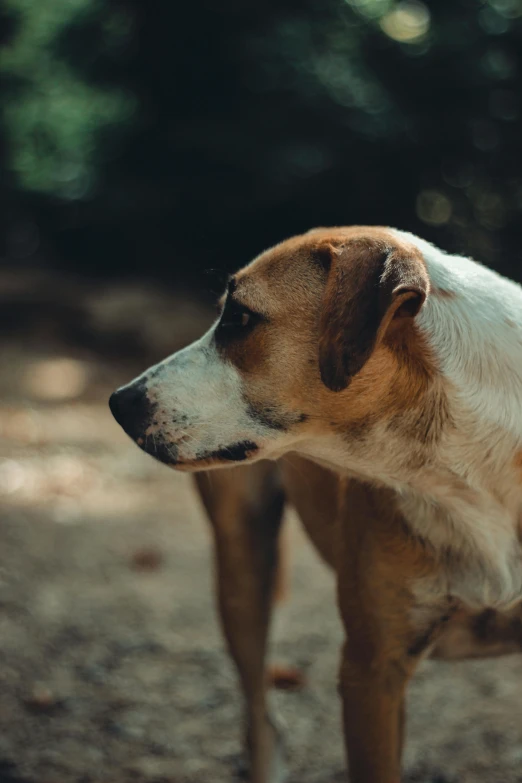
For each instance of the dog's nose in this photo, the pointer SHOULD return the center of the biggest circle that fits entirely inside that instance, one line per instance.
(131, 409)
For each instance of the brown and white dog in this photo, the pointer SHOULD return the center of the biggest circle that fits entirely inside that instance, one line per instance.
(385, 377)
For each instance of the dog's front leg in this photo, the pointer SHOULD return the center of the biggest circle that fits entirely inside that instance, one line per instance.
(245, 506)
(379, 565)
(373, 704)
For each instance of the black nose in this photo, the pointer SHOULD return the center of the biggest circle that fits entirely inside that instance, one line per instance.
(131, 409)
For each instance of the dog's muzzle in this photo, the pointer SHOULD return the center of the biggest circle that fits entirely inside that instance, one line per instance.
(134, 412)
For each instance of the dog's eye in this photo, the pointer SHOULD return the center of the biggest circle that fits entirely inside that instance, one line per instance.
(236, 319)
(235, 316)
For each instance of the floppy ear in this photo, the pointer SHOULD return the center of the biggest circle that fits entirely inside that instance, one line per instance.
(368, 286)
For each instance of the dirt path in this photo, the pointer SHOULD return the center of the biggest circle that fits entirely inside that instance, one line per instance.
(112, 664)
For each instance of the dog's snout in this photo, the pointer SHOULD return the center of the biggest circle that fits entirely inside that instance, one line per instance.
(131, 409)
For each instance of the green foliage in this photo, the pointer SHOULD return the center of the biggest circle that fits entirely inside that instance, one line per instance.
(136, 123)
(53, 118)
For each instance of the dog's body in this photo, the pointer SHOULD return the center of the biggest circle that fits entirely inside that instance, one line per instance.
(245, 506)
(388, 375)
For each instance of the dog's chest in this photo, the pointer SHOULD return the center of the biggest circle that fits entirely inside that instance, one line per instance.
(478, 538)
(468, 503)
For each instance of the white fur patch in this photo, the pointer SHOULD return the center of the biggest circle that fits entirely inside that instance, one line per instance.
(472, 499)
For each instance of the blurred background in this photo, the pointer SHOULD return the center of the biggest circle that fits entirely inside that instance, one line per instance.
(146, 150)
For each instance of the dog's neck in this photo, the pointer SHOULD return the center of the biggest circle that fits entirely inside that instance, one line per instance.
(462, 494)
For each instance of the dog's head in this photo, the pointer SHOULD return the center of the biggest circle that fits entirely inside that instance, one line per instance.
(316, 339)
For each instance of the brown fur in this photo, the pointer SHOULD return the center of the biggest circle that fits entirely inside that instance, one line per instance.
(313, 293)
(370, 282)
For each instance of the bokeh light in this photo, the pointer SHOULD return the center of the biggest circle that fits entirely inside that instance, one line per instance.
(56, 379)
(408, 22)
(433, 207)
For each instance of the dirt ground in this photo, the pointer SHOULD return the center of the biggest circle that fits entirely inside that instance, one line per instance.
(112, 665)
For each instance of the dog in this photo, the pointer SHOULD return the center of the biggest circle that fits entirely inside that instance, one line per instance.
(374, 382)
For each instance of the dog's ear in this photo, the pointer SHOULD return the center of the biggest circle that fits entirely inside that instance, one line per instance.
(369, 285)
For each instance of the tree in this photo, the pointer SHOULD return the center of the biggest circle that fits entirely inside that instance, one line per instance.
(167, 136)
